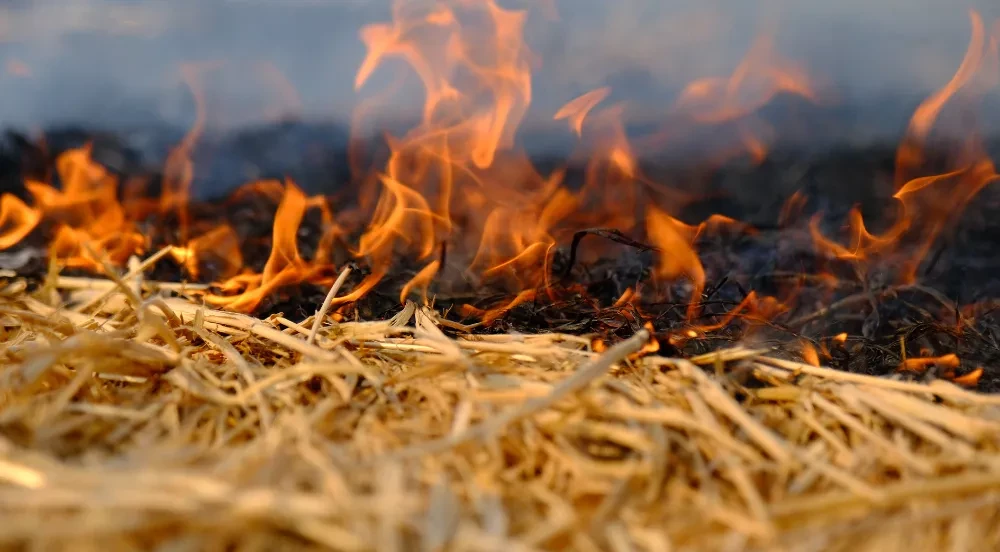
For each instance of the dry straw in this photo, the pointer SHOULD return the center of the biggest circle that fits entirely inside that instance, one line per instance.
(133, 418)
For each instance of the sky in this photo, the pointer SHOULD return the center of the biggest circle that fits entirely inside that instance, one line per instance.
(115, 62)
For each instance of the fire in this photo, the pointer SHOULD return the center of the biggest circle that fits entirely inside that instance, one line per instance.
(220, 243)
(910, 155)
(17, 220)
(948, 362)
(762, 75)
(477, 88)
(179, 169)
(679, 258)
(809, 354)
(454, 194)
(90, 224)
(455, 180)
(285, 266)
(576, 110)
(928, 203)
(971, 379)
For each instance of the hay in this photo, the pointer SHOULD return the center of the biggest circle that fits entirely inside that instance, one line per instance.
(152, 422)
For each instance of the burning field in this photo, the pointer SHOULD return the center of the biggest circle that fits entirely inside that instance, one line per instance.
(456, 345)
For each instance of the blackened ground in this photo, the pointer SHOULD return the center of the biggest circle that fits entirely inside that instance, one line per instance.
(953, 310)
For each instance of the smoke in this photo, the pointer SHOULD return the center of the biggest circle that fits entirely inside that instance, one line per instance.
(115, 62)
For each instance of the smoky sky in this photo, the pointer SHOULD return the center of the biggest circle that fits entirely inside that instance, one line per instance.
(115, 62)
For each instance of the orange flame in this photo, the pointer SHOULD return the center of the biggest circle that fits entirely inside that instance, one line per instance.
(677, 258)
(477, 82)
(947, 362)
(575, 111)
(910, 154)
(179, 169)
(971, 379)
(928, 203)
(761, 76)
(17, 220)
(421, 281)
(220, 243)
(284, 266)
(91, 224)
(809, 354)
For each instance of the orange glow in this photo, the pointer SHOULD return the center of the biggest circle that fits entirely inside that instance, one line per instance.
(598, 345)
(677, 257)
(18, 68)
(489, 315)
(753, 309)
(651, 346)
(792, 208)
(762, 75)
(625, 298)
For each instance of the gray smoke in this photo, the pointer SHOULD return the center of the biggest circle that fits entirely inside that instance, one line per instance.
(115, 62)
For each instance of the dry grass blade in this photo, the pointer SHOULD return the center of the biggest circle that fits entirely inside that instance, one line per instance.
(321, 314)
(174, 426)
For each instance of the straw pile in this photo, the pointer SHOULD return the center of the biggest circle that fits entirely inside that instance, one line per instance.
(132, 418)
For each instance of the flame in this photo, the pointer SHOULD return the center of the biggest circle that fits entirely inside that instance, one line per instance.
(220, 243)
(454, 181)
(17, 220)
(948, 362)
(91, 226)
(490, 315)
(971, 379)
(762, 75)
(928, 203)
(809, 354)
(178, 171)
(285, 266)
(575, 111)
(421, 281)
(910, 156)
(473, 64)
(677, 257)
